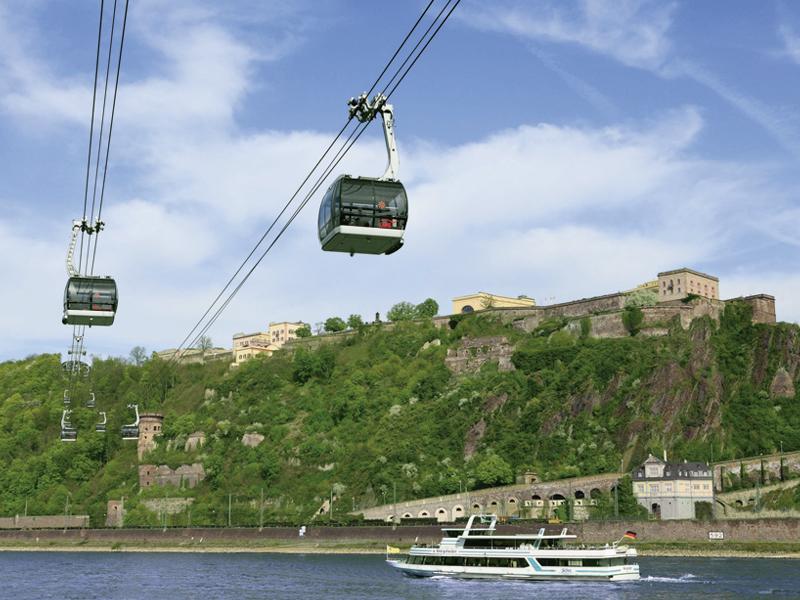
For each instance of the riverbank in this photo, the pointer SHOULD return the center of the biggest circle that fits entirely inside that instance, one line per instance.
(201, 545)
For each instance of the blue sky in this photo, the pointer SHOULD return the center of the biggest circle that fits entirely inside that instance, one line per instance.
(550, 148)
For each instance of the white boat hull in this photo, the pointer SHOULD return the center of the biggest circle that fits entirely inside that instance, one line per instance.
(622, 573)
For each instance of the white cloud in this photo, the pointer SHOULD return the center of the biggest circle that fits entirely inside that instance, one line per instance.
(633, 32)
(791, 42)
(541, 209)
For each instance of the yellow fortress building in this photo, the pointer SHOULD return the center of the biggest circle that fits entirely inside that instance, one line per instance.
(485, 300)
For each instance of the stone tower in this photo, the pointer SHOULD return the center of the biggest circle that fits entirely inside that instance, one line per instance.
(149, 427)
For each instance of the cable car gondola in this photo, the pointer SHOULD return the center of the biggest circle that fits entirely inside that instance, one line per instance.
(363, 215)
(366, 215)
(90, 301)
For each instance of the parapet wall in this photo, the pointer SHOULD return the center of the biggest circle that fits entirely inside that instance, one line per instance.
(44, 522)
(752, 466)
(763, 307)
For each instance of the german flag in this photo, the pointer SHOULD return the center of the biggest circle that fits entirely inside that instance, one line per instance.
(631, 535)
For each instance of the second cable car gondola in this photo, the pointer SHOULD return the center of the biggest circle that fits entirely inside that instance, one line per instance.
(90, 301)
(366, 215)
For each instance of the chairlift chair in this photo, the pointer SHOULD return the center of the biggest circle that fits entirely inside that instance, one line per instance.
(131, 431)
(101, 426)
(68, 432)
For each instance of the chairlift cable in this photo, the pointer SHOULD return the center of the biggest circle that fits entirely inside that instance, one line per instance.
(302, 184)
(322, 178)
(400, 47)
(91, 127)
(110, 129)
(102, 124)
(430, 39)
(421, 39)
(263, 237)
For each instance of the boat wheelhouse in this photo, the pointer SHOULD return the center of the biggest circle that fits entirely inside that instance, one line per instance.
(477, 552)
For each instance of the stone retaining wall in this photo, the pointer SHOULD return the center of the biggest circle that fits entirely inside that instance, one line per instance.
(744, 531)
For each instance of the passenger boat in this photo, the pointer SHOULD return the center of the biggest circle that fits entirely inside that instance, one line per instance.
(477, 552)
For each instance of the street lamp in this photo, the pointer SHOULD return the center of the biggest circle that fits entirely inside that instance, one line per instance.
(66, 508)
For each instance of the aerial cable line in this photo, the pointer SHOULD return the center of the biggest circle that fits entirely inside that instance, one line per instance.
(322, 178)
(303, 183)
(263, 237)
(91, 127)
(403, 43)
(102, 125)
(110, 127)
(335, 161)
(430, 39)
(88, 224)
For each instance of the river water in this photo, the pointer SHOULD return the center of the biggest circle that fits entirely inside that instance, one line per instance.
(88, 575)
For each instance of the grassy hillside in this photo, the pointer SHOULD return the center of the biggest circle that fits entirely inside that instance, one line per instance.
(376, 415)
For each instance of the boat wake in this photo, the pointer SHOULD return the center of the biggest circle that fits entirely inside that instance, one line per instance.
(687, 578)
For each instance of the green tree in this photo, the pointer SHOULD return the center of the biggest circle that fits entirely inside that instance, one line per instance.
(334, 324)
(493, 471)
(427, 309)
(402, 311)
(632, 318)
(303, 332)
(355, 322)
(204, 343)
(138, 355)
(628, 504)
(640, 298)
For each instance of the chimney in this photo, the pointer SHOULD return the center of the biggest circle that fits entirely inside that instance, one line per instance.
(665, 456)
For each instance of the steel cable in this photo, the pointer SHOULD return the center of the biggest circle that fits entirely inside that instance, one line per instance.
(302, 184)
(320, 180)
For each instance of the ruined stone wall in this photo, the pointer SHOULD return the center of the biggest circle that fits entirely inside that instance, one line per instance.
(170, 506)
(189, 475)
(473, 353)
(752, 468)
(44, 522)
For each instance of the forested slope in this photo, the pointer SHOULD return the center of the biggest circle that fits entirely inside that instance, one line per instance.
(376, 414)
